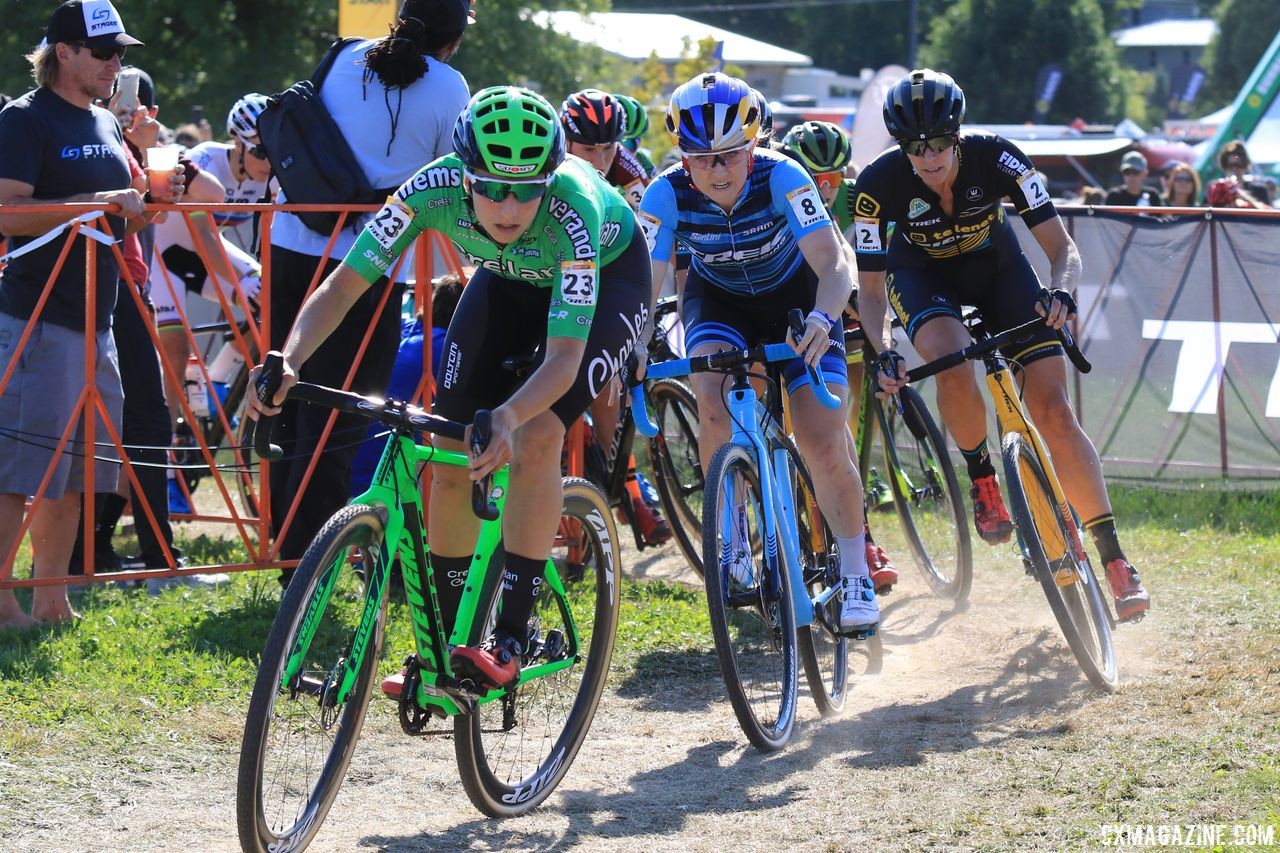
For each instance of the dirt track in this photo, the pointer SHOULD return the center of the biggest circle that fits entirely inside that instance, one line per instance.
(978, 724)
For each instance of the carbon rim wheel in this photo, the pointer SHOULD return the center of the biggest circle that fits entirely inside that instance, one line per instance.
(1051, 543)
(299, 736)
(512, 752)
(752, 620)
(677, 470)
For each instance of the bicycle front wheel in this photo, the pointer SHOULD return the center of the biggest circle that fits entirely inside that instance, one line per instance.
(823, 650)
(307, 705)
(926, 495)
(673, 452)
(513, 751)
(752, 615)
(1051, 540)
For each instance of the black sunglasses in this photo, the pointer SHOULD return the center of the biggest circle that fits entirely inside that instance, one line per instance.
(917, 147)
(102, 54)
(258, 151)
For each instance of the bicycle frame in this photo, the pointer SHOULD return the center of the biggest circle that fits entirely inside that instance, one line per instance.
(395, 492)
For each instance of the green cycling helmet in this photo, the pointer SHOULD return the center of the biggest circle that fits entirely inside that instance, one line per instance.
(819, 146)
(637, 117)
(508, 130)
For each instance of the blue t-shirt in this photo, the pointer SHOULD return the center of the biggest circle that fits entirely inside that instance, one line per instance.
(61, 150)
(753, 247)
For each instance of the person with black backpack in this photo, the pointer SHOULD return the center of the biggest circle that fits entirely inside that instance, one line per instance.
(394, 100)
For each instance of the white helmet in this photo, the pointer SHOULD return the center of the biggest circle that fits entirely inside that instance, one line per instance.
(242, 121)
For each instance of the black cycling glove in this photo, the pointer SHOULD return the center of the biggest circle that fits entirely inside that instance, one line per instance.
(1063, 296)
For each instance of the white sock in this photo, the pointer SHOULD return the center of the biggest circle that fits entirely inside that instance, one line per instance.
(853, 556)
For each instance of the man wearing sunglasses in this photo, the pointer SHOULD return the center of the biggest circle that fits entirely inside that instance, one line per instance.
(549, 238)
(57, 146)
(951, 246)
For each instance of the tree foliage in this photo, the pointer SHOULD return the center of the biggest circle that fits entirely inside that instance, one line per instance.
(1245, 30)
(994, 49)
(210, 52)
(207, 52)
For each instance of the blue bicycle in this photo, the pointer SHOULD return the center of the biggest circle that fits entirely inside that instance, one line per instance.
(770, 563)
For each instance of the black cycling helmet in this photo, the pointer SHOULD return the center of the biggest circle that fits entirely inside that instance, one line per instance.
(923, 104)
(592, 117)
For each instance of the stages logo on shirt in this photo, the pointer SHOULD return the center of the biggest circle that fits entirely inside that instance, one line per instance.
(91, 151)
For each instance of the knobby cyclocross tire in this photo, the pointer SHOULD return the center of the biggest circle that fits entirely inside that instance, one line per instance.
(673, 453)
(1049, 538)
(926, 495)
(512, 752)
(752, 617)
(298, 739)
(823, 650)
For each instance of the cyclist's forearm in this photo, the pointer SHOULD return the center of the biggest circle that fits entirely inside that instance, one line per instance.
(322, 312)
(872, 305)
(1065, 268)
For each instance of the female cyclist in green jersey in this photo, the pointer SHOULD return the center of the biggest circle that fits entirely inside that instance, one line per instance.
(549, 238)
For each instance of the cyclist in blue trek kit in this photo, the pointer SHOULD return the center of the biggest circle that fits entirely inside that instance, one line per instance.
(951, 246)
(761, 243)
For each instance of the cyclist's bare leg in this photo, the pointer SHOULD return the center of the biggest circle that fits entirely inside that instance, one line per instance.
(823, 438)
(960, 401)
(714, 427)
(1074, 456)
(854, 371)
(604, 420)
(529, 525)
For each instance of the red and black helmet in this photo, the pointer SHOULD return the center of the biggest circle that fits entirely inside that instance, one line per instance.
(593, 117)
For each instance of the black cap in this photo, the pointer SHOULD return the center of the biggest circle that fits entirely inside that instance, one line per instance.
(439, 16)
(95, 22)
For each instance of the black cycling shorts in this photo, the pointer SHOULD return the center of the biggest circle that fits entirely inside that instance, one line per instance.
(500, 318)
(1001, 285)
(714, 315)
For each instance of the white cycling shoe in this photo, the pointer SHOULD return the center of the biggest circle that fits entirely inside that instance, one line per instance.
(859, 609)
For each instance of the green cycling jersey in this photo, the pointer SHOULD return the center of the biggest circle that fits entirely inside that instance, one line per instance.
(582, 224)
(842, 206)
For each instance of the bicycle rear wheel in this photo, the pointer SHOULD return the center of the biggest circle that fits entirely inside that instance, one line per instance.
(512, 752)
(1051, 541)
(823, 650)
(673, 452)
(926, 495)
(752, 616)
(300, 730)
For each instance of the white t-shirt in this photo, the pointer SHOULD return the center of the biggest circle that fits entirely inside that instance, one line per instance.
(427, 111)
(215, 158)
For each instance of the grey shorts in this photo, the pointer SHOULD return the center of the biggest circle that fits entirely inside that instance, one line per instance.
(38, 402)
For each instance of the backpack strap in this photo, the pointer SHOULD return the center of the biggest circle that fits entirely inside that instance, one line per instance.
(326, 62)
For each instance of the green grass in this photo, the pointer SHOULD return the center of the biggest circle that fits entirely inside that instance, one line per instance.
(177, 669)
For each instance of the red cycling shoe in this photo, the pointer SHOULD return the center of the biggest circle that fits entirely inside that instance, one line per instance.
(494, 664)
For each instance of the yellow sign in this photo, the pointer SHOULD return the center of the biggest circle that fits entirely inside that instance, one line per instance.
(366, 18)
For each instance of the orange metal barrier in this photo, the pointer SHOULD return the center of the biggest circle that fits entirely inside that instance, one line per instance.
(434, 252)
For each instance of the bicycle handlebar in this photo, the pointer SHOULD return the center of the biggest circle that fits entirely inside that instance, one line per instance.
(390, 412)
(990, 343)
(721, 361)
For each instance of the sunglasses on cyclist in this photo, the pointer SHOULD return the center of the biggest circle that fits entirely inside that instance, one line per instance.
(829, 180)
(498, 190)
(258, 151)
(103, 54)
(937, 144)
(703, 161)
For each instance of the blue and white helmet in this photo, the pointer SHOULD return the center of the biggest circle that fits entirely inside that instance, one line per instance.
(242, 121)
(712, 112)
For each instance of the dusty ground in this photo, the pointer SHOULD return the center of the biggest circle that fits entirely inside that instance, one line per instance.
(978, 733)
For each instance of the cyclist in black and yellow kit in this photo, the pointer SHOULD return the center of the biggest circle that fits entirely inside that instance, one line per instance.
(951, 246)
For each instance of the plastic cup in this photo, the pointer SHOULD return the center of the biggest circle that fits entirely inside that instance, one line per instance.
(162, 163)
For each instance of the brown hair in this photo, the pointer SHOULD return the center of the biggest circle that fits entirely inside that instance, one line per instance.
(1234, 148)
(44, 65)
(1183, 169)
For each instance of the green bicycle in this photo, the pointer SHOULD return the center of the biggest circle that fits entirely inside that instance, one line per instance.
(513, 746)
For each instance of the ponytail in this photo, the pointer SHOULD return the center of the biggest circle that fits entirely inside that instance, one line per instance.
(400, 59)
